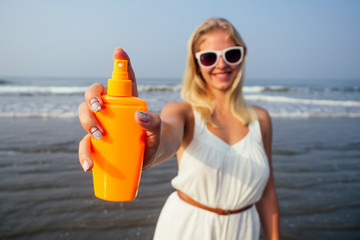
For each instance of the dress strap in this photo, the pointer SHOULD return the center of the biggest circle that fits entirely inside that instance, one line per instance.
(255, 128)
(198, 121)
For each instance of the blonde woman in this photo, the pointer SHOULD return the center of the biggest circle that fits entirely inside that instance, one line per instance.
(225, 186)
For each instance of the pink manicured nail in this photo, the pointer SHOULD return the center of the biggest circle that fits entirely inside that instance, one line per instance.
(96, 133)
(95, 105)
(85, 165)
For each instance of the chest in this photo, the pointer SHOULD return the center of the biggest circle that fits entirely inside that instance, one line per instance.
(229, 130)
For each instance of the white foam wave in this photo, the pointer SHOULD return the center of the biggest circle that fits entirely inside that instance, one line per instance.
(324, 102)
(149, 88)
(284, 114)
(253, 89)
(177, 88)
(41, 90)
(142, 88)
(39, 114)
(313, 115)
(35, 90)
(65, 90)
(258, 89)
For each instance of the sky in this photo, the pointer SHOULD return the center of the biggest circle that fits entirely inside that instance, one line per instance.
(309, 39)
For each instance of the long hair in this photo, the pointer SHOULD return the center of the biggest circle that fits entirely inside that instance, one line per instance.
(194, 89)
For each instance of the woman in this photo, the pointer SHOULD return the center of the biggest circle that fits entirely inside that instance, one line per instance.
(223, 145)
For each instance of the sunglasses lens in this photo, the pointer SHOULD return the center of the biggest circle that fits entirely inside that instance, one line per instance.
(232, 56)
(208, 59)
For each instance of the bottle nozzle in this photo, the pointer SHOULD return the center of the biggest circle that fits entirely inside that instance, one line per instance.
(120, 70)
(119, 84)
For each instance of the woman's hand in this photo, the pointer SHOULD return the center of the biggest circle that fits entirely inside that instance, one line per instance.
(92, 104)
(149, 122)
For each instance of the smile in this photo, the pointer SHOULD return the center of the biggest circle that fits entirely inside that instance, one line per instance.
(221, 75)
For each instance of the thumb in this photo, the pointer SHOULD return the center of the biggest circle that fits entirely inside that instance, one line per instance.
(151, 123)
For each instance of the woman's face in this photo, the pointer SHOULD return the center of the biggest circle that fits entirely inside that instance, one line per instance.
(221, 76)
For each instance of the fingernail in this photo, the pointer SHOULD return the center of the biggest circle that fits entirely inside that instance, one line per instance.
(143, 116)
(96, 133)
(85, 165)
(95, 105)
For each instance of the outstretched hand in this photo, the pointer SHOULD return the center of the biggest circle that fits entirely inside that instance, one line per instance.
(93, 103)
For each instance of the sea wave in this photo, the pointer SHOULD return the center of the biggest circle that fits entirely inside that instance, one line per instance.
(152, 88)
(306, 115)
(49, 114)
(259, 89)
(39, 114)
(20, 101)
(71, 90)
(284, 89)
(281, 99)
(40, 90)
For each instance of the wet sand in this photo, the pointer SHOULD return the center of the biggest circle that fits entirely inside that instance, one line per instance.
(44, 194)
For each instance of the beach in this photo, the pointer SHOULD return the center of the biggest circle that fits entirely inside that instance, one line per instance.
(44, 193)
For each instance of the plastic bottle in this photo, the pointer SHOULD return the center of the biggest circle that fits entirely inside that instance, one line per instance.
(118, 155)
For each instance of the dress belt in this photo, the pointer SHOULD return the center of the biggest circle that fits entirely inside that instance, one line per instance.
(219, 211)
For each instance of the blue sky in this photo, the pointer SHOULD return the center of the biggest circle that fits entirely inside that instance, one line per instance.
(286, 39)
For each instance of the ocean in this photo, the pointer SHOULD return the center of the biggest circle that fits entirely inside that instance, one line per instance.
(44, 194)
(59, 97)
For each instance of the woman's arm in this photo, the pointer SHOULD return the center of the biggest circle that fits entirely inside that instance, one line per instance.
(169, 134)
(268, 205)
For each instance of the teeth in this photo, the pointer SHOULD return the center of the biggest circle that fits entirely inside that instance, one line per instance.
(221, 74)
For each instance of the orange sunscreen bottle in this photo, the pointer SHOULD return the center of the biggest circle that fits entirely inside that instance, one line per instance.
(118, 155)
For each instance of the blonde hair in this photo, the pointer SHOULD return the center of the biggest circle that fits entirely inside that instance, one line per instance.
(194, 89)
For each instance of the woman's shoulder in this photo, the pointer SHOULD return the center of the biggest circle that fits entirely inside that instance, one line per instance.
(179, 105)
(262, 113)
(264, 119)
(179, 109)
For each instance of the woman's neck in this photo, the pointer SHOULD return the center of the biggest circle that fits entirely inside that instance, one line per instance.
(219, 101)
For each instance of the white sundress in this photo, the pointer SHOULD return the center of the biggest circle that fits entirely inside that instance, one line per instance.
(217, 175)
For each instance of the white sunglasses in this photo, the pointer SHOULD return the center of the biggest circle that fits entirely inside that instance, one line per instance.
(209, 58)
